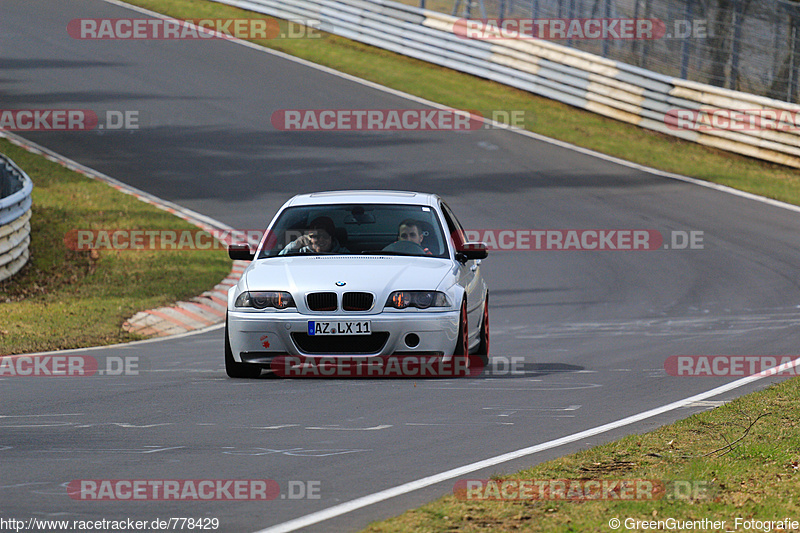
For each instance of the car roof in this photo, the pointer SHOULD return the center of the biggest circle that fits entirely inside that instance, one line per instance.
(365, 197)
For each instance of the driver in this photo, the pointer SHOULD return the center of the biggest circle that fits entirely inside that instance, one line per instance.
(409, 231)
(319, 238)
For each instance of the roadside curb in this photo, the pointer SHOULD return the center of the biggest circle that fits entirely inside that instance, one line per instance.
(200, 312)
(205, 310)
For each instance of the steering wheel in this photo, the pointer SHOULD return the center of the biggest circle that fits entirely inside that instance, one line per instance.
(405, 247)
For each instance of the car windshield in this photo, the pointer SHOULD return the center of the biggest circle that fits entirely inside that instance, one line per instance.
(359, 229)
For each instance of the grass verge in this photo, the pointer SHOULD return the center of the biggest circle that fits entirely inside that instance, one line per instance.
(543, 116)
(705, 472)
(67, 299)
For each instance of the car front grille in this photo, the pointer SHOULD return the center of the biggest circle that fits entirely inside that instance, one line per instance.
(321, 301)
(357, 301)
(340, 344)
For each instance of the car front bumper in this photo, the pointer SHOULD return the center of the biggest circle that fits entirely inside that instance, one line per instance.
(258, 337)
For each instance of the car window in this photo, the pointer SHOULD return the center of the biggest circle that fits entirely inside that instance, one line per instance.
(454, 227)
(358, 229)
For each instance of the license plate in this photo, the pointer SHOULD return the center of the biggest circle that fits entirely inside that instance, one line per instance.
(357, 327)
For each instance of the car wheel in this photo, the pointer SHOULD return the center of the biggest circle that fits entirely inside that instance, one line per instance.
(483, 349)
(234, 369)
(462, 345)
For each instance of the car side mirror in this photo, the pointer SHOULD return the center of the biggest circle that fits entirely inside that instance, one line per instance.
(471, 250)
(240, 251)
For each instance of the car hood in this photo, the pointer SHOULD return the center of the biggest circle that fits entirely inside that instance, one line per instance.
(377, 274)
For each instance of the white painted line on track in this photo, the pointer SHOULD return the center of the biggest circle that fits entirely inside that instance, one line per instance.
(338, 428)
(568, 408)
(364, 501)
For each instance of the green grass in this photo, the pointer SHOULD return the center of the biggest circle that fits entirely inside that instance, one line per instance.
(755, 478)
(543, 116)
(68, 299)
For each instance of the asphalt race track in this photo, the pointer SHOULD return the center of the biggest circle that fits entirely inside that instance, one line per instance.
(594, 327)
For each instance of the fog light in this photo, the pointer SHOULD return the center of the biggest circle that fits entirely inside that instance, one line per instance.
(412, 340)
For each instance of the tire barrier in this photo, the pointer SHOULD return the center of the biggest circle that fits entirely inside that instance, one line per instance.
(15, 217)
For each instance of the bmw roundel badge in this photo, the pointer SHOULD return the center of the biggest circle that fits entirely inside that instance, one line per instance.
(341, 283)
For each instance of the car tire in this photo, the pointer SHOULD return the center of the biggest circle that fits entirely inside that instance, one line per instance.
(483, 349)
(234, 369)
(462, 344)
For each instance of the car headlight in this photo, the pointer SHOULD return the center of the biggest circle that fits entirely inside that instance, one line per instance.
(418, 299)
(264, 299)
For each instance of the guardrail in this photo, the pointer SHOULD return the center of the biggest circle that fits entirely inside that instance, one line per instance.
(15, 216)
(762, 127)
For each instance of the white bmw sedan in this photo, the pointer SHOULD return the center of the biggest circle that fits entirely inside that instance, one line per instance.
(358, 274)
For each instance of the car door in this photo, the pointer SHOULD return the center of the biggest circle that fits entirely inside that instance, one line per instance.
(469, 273)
